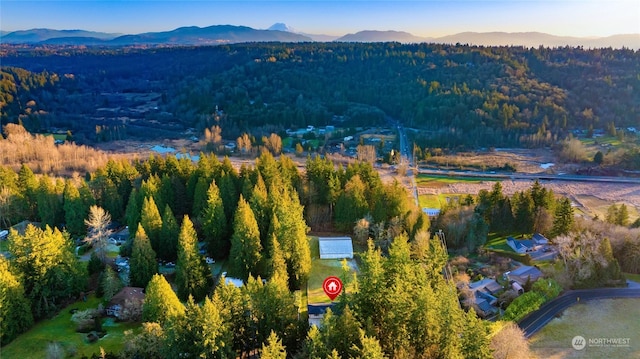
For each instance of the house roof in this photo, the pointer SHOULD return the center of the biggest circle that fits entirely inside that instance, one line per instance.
(335, 247)
(484, 306)
(127, 293)
(487, 283)
(432, 212)
(526, 271)
(318, 309)
(539, 238)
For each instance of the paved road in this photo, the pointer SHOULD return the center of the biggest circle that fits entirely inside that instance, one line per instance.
(406, 156)
(533, 176)
(538, 319)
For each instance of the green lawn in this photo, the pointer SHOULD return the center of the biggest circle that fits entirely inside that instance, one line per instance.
(438, 200)
(57, 136)
(4, 245)
(605, 140)
(429, 201)
(430, 180)
(321, 269)
(498, 241)
(33, 344)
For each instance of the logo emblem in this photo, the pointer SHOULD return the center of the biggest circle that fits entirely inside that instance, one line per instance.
(332, 287)
(578, 342)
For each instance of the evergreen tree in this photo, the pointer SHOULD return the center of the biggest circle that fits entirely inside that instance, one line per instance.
(292, 234)
(475, 337)
(563, 219)
(133, 211)
(622, 217)
(245, 243)
(49, 203)
(370, 348)
(229, 194)
(151, 221)
(143, 260)
(278, 265)
(50, 271)
(75, 210)
(524, 212)
(14, 306)
(193, 276)
(259, 202)
(166, 194)
(110, 283)
(352, 204)
(161, 303)
(168, 246)
(272, 308)
(28, 187)
(200, 333)
(200, 196)
(214, 224)
(273, 348)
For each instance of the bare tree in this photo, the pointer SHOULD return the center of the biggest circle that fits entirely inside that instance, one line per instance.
(98, 225)
(510, 343)
(367, 153)
(273, 143)
(244, 144)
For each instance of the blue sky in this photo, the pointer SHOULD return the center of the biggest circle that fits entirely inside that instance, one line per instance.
(419, 17)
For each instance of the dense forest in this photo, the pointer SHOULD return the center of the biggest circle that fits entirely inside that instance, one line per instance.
(461, 96)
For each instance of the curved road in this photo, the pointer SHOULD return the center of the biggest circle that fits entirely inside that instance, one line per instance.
(538, 319)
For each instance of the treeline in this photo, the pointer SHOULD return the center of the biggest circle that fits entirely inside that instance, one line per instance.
(467, 221)
(254, 216)
(462, 96)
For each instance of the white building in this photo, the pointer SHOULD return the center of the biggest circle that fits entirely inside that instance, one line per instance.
(335, 247)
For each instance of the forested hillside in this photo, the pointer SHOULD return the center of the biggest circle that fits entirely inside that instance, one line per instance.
(461, 95)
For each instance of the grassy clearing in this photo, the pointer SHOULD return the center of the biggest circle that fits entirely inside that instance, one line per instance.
(33, 344)
(441, 181)
(57, 136)
(605, 140)
(321, 269)
(609, 318)
(499, 241)
(439, 200)
(4, 245)
(429, 201)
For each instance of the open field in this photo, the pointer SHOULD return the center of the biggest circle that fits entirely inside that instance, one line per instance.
(609, 318)
(588, 198)
(33, 344)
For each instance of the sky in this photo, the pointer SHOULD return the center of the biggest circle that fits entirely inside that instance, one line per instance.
(427, 18)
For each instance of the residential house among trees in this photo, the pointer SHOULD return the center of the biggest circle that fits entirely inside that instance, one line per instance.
(117, 303)
(523, 274)
(527, 245)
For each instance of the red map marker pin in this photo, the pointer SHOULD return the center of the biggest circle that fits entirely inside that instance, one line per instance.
(332, 287)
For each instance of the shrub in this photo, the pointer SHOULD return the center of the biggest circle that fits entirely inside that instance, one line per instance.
(85, 320)
(523, 305)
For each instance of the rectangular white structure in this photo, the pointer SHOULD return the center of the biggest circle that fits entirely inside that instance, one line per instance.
(335, 247)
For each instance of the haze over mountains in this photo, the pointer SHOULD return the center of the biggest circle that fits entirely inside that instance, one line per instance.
(280, 32)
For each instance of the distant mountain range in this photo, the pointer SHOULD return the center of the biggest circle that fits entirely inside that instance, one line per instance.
(280, 32)
(383, 36)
